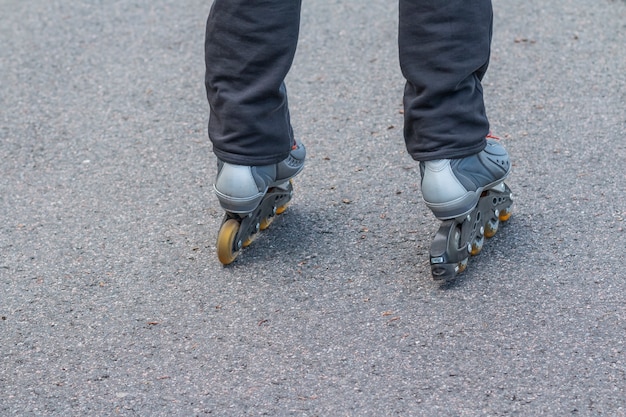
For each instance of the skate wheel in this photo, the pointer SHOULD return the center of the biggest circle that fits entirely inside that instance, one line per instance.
(505, 214)
(265, 223)
(226, 252)
(491, 228)
(249, 240)
(462, 266)
(281, 209)
(477, 246)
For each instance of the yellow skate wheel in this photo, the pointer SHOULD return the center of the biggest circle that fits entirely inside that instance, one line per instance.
(462, 266)
(226, 241)
(491, 228)
(249, 240)
(477, 246)
(505, 214)
(281, 209)
(265, 223)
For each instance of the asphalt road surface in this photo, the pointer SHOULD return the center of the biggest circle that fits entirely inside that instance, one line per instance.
(113, 302)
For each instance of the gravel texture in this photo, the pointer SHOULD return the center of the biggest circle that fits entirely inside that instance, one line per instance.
(113, 301)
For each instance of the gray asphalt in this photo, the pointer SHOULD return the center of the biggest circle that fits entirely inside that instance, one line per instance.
(113, 302)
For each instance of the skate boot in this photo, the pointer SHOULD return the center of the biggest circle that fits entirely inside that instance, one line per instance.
(252, 196)
(470, 197)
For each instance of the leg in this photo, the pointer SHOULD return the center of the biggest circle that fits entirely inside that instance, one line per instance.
(444, 52)
(249, 49)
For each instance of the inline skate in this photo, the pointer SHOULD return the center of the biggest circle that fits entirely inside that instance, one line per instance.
(252, 196)
(470, 197)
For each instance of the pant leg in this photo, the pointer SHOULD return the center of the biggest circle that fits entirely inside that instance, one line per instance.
(444, 51)
(249, 48)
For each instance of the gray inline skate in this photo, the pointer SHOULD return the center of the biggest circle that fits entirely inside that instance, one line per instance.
(470, 196)
(252, 196)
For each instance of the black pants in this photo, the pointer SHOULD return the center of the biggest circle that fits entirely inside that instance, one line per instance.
(444, 48)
